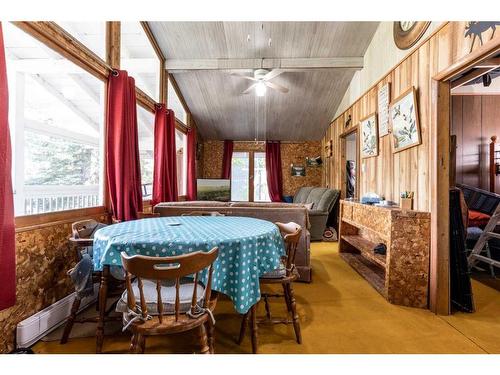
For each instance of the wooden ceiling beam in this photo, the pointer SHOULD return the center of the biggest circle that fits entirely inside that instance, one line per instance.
(471, 76)
(489, 63)
(180, 65)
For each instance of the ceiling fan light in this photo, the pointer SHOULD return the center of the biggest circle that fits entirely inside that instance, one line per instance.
(260, 89)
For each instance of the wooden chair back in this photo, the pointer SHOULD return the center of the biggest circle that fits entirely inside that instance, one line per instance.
(203, 213)
(82, 238)
(85, 229)
(168, 268)
(291, 233)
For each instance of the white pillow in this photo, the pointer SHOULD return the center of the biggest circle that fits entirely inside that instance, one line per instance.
(309, 206)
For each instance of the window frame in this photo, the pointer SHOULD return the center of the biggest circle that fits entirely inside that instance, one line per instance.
(58, 39)
(147, 108)
(251, 173)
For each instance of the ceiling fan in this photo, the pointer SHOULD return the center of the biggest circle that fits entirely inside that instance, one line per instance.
(262, 78)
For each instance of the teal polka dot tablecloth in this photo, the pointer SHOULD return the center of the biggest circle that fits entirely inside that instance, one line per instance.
(248, 248)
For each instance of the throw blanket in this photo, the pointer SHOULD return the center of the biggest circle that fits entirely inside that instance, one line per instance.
(81, 275)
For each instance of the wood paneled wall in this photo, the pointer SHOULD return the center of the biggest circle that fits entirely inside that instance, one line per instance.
(291, 153)
(390, 173)
(475, 118)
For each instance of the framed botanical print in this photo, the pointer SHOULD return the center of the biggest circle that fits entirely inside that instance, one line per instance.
(369, 136)
(403, 114)
(384, 98)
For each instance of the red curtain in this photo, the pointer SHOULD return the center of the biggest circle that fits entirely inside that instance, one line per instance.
(274, 171)
(226, 159)
(122, 148)
(191, 165)
(165, 156)
(7, 234)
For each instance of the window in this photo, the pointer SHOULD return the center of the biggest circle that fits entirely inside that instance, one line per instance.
(56, 115)
(90, 34)
(145, 130)
(139, 59)
(248, 177)
(175, 104)
(260, 189)
(240, 176)
(181, 147)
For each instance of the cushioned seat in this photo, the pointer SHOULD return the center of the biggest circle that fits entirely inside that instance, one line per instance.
(278, 273)
(478, 219)
(320, 202)
(473, 233)
(167, 297)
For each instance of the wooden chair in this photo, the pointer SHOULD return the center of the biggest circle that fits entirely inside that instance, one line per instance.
(155, 308)
(285, 275)
(203, 213)
(81, 242)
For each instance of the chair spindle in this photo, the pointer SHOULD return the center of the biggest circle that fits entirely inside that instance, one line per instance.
(160, 302)
(144, 308)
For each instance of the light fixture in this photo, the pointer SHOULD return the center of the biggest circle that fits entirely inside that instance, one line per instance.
(260, 88)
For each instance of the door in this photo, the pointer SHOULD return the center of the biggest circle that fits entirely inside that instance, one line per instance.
(248, 177)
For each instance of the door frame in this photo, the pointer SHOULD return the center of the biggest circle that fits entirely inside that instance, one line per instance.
(343, 160)
(439, 280)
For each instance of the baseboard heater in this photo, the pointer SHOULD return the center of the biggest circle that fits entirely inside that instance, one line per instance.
(32, 329)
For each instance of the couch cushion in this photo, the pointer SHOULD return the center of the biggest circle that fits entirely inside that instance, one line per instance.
(167, 296)
(478, 219)
(315, 196)
(302, 194)
(327, 200)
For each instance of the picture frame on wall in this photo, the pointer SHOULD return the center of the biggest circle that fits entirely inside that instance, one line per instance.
(369, 136)
(384, 99)
(404, 121)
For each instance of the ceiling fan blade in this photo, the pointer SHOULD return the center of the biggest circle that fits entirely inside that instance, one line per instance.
(249, 89)
(277, 87)
(273, 74)
(239, 75)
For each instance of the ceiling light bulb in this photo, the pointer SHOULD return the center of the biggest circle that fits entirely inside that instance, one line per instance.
(260, 89)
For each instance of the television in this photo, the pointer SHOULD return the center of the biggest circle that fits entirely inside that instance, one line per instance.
(214, 189)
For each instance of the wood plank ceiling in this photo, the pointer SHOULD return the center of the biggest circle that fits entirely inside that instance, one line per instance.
(315, 88)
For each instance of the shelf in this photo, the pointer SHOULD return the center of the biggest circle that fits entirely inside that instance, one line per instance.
(360, 226)
(366, 248)
(369, 271)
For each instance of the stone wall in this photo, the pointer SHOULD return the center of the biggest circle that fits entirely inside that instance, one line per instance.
(291, 153)
(42, 262)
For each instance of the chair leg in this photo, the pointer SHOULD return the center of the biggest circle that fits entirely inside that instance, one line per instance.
(103, 294)
(211, 337)
(203, 339)
(295, 316)
(142, 344)
(268, 308)
(243, 328)
(133, 343)
(71, 320)
(287, 297)
(253, 328)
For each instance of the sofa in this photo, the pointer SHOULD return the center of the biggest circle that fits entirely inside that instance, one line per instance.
(323, 201)
(282, 212)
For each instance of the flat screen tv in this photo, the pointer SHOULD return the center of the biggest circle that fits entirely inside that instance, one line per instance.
(214, 189)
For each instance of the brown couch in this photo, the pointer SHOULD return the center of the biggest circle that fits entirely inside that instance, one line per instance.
(283, 212)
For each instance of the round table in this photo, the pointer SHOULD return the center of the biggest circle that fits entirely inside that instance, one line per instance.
(248, 248)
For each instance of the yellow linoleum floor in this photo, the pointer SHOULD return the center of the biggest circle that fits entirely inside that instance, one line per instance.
(340, 313)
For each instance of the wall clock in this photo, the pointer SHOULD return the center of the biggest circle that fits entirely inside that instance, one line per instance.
(407, 33)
